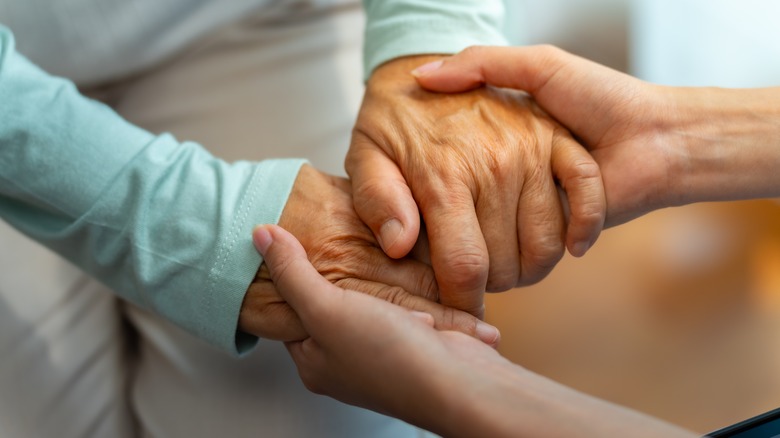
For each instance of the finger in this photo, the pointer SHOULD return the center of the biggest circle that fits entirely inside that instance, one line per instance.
(311, 362)
(564, 203)
(296, 280)
(580, 178)
(541, 228)
(381, 197)
(265, 314)
(457, 248)
(414, 276)
(422, 251)
(498, 213)
(445, 318)
(559, 81)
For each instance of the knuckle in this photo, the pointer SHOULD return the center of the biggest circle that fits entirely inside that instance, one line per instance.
(533, 276)
(355, 155)
(589, 214)
(351, 162)
(537, 263)
(467, 268)
(586, 169)
(367, 193)
(548, 253)
(589, 206)
(504, 273)
(366, 138)
(499, 164)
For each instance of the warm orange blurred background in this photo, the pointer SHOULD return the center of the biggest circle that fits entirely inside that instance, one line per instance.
(676, 314)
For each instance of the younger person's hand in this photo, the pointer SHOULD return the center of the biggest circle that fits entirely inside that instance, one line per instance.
(657, 146)
(618, 117)
(367, 352)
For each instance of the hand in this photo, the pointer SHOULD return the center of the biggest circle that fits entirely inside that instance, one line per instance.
(319, 213)
(656, 146)
(371, 354)
(482, 167)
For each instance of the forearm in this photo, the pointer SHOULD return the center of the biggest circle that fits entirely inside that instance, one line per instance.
(515, 402)
(163, 223)
(731, 144)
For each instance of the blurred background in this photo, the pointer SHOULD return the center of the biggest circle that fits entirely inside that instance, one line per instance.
(676, 314)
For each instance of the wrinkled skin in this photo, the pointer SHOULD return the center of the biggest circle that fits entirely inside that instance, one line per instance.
(320, 215)
(624, 122)
(482, 167)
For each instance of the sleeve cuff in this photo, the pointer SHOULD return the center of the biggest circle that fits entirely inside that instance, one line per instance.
(237, 260)
(395, 29)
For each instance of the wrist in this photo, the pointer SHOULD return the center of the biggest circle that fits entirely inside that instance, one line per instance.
(730, 143)
(516, 402)
(489, 401)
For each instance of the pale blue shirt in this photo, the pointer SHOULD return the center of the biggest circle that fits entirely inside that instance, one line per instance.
(163, 222)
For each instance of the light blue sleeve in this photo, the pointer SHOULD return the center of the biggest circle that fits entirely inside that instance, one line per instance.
(396, 28)
(163, 223)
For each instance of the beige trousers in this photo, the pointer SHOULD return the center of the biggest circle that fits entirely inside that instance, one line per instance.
(287, 85)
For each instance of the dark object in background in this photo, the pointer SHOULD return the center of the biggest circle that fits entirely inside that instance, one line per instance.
(766, 425)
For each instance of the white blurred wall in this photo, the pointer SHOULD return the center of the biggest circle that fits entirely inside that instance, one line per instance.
(734, 43)
(727, 43)
(596, 29)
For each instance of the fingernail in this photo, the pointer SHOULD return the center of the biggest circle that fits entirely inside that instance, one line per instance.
(429, 67)
(389, 233)
(487, 333)
(580, 248)
(262, 238)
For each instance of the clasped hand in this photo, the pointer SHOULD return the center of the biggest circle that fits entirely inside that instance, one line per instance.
(320, 215)
(481, 168)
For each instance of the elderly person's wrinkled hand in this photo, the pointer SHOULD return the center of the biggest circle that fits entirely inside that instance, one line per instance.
(482, 167)
(320, 215)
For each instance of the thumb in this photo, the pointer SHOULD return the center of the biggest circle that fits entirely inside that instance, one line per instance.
(568, 87)
(381, 197)
(522, 68)
(294, 277)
